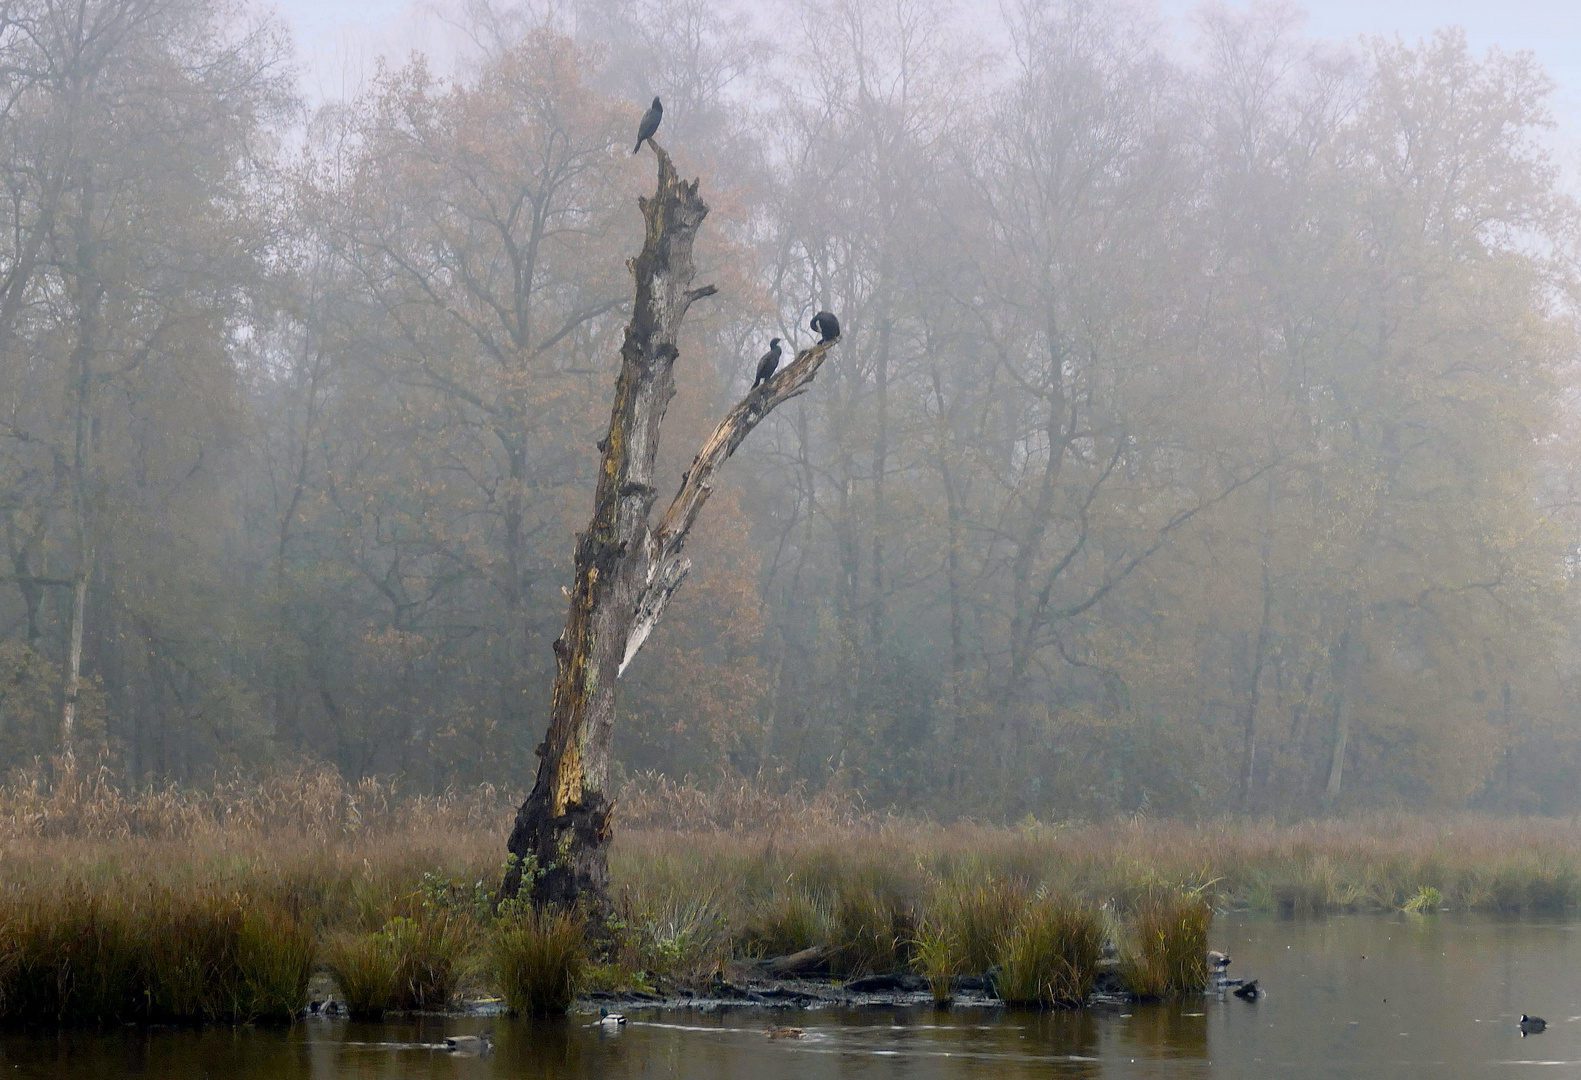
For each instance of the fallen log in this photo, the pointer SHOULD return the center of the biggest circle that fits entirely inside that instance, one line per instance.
(807, 962)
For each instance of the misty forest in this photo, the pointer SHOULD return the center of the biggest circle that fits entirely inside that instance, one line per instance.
(1200, 438)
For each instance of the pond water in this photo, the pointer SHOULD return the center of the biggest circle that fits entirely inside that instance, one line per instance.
(1347, 996)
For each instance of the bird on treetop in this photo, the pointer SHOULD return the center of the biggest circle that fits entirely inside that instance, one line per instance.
(768, 364)
(827, 325)
(650, 124)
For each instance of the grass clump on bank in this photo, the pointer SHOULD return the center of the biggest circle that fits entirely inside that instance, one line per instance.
(411, 963)
(1051, 957)
(539, 960)
(1166, 946)
(938, 957)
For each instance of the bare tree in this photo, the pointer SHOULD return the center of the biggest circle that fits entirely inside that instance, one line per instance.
(627, 570)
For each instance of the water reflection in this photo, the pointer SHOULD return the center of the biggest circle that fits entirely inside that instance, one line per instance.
(1363, 996)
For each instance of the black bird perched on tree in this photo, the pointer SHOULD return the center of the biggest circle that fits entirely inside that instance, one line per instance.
(769, 363)
(650, 124)
(827, 325)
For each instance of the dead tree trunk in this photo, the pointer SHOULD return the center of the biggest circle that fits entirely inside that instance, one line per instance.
(626, 570)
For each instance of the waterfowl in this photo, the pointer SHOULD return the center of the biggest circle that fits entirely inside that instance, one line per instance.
(1532, 1024)
(784, 1033)
(767, 365)
(1248, 991)
(609, 1019)
(649, 124)
(1217, 960)
(470, 1045)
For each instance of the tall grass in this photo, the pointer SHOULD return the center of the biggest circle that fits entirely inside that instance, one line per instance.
(1166, 947)
(786, 922)
(1051, 957)
(980, 915)
(84, 956)
(539, 960)
(937, 955)
(179, 905)
(411, 963)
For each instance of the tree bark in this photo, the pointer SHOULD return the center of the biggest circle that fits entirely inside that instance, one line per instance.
(626, 570)
(1342, 713)
(68, 715)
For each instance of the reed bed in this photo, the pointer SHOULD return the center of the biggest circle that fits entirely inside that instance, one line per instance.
(215, 905)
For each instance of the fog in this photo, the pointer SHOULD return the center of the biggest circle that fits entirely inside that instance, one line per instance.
(1201, 438)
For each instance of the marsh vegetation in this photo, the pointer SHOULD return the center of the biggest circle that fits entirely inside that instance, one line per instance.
(219, 905)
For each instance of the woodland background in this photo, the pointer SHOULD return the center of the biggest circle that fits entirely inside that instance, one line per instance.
(1202, 437)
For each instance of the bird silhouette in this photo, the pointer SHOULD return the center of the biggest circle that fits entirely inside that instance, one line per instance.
(650, 124)
(1248, 992)
(827, 326)
(1530, 1025)
(768, 364)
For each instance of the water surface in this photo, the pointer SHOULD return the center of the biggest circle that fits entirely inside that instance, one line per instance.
(1349, 996)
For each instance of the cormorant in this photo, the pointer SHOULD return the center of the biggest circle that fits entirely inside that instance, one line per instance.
(1532, 1024)
(827, 325)
(650, 124)
(769, 364)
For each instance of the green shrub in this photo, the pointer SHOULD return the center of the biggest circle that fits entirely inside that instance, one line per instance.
(1051, 957)
(1166, 951)
(539, 958)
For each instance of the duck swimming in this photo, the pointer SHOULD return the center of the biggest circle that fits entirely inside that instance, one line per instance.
(470, 1045)
(1530, 1025)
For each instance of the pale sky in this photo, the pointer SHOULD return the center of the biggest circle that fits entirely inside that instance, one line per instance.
(338, 40)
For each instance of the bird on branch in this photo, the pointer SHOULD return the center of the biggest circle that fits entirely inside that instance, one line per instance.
(649, 125)
(827, 325)
(769, 364)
